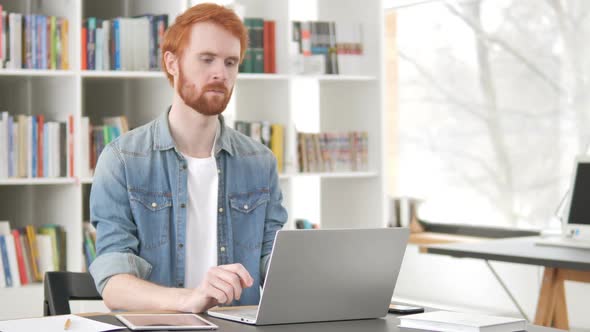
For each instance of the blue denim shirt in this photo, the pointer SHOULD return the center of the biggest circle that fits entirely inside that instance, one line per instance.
(138, 205)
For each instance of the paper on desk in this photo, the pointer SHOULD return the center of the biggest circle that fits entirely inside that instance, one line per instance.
(56, 323)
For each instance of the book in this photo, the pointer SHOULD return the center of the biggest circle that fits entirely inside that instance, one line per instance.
(26, 256)
(3, 145)
(11, 147)
(40, 136)
(34, 252)
(63, 44)
(45, 255)
(53, 232)
(52, 29)
(63, 244)
(85, 166)
(463, 322)
(265, 133)
(12, 260)
(22, 270)
(33, 146)
(5, 261)
(277, 145)
(106, 30)
(70, 146)
(84, 48)
(42, 38)
(256, 44)
(22, 125)
(90, 25)
(15, 44)
(28, 42)
(256, 131)
(266, 46)
(99, 39)
(2, 275)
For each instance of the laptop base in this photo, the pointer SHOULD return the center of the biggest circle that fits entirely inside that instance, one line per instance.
(245, 315)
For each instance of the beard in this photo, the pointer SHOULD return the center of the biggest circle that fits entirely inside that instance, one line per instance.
(206, 105)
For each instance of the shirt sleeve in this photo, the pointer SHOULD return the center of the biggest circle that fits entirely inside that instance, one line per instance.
(110, 213)
(276, 217)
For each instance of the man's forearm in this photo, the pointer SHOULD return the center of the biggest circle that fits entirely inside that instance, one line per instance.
(127, 292)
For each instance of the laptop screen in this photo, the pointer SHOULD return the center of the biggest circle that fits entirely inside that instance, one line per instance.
(580, 200)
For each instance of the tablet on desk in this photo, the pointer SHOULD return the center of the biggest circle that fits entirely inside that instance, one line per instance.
(139, 322)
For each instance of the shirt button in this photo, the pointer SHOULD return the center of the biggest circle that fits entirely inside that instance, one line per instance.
(154, 205)
(220, 210)
(218, 170)
(180, 245)
(246, 207)
(180, 284)
(182, 205)
(183, 166)
(222, 249)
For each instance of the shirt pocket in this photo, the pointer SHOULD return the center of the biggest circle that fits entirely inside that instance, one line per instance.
(248, 214)
(152, 214)
(247, 203)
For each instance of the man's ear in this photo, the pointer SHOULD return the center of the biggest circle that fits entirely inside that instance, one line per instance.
(171, 62)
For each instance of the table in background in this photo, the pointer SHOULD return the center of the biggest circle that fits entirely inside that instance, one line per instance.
(560, 264)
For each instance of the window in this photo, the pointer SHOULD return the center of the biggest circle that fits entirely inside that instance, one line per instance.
(493, 104)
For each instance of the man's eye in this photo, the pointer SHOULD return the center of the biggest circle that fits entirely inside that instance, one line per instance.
(230, 63)
(207, 60)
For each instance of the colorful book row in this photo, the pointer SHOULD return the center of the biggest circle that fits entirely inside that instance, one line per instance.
(27, 253)
(33, 41)
(123, 43)
(333, 152)
(260, 55)
(31, 147)
(335, 41)
(96, 137)
(271, 135)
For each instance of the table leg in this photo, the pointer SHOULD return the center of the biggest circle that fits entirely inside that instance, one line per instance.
(546, 303)
(560, 319)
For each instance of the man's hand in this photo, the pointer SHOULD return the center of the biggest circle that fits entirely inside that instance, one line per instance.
(222, 285)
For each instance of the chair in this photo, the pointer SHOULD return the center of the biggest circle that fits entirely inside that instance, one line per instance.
(61, 287)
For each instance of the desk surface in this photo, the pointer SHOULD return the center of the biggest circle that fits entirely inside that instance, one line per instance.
(387, 324)
(518, 250)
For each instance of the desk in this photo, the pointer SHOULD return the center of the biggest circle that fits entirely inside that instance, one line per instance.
(560, 264)
(386, 324)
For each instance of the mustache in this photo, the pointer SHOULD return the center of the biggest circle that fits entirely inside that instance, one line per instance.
(215, 86)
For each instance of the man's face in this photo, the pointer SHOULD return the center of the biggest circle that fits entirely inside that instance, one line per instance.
(208, 68)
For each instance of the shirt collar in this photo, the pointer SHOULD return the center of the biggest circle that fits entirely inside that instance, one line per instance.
(163, 138)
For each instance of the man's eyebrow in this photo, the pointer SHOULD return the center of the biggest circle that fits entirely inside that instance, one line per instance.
(235, 58)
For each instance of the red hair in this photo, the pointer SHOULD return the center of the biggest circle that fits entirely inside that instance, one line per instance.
(176, 36)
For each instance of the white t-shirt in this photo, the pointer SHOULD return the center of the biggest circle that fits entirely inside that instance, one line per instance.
(201, 221)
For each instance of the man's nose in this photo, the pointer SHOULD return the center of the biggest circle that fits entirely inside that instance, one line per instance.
(219, 72)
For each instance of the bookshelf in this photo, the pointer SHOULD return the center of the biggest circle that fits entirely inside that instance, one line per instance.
(331, 103)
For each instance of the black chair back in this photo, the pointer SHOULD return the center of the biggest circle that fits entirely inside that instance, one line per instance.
(61, 287)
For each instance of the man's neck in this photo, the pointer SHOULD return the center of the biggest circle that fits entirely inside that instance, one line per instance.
(193, 132)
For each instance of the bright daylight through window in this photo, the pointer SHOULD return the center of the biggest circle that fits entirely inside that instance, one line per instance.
(493, 107)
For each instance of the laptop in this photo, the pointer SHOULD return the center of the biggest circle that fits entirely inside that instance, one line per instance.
(326, 275)
(576, 225)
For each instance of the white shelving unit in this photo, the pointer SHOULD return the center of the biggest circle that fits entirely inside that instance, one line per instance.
(332, 103)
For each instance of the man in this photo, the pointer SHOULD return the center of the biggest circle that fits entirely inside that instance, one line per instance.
(185, 208)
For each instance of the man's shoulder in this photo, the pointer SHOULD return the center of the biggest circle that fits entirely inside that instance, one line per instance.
(244, 146)
(138, 141)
